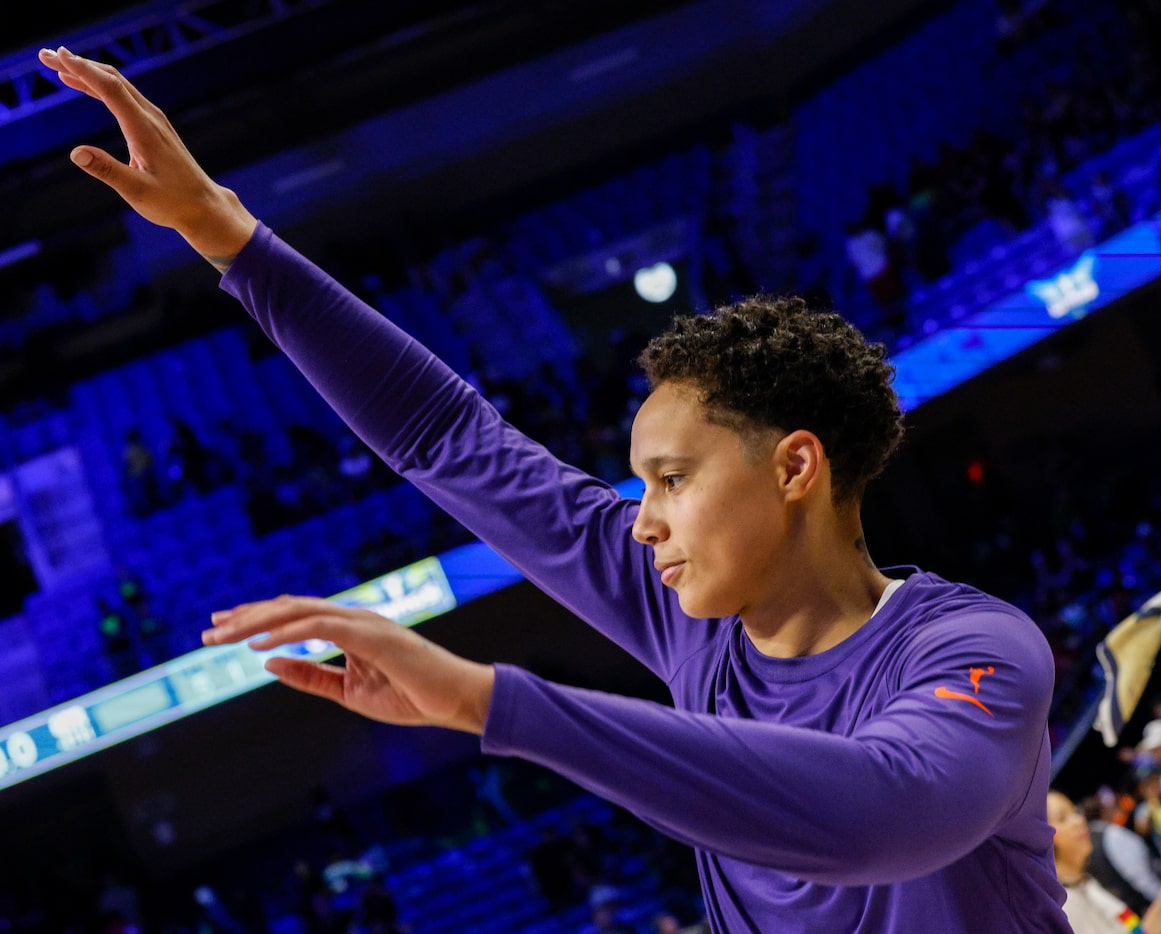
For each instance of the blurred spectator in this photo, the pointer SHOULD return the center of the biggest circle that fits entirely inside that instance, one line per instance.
(118, 905)
(309, 897)
(346, 878)
(115, 638)
(187, 461)
(869, 254)
(1090, 907)
(1065, 219)
(387, 551)
(312, 461)
(901, 232)
(264, 508)
(1121, 861)
(667, 923)
(488, 782)
(1018, 21)
(605, 906)
(551, 867)
(925, 210)
(813, 272)
(138, 476)
(1147, 753)
(1111, 205)
(147, 629)
(377, 912)
(215, 913)
(1147, 816)
(244, 450)
(356, 463)
(725, 274)
(330, 821)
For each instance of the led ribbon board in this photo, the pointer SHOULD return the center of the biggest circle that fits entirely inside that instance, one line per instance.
(1042, 307)
(207, 676)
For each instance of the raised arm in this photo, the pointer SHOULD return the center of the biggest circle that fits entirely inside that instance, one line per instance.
(161, 181)
(569, 533)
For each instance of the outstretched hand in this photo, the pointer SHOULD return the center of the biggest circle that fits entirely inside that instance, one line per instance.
(161, 181)
(392, 673)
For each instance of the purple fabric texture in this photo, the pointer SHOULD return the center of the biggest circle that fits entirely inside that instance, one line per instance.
(895, 783)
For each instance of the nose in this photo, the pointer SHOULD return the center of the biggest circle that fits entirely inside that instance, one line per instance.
(649, 528)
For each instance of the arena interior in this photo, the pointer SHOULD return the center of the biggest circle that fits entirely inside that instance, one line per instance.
(532, 190)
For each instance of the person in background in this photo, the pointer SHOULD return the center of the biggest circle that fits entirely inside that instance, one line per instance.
(1091, 908)
(139, 481)
(1121, 860)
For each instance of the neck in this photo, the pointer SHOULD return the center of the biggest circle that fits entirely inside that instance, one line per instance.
(824, 592)
(1069, 873)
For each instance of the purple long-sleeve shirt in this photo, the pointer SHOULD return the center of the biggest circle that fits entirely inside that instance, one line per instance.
(894, 783)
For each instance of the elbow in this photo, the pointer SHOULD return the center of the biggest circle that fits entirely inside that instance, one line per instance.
(906, 845)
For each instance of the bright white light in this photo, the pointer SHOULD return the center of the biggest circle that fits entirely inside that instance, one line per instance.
(655, 283)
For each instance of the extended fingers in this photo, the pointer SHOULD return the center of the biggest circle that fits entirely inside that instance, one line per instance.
(78, 84)
(299, 629)
(250, 619)
(311, 677)
(98, 80)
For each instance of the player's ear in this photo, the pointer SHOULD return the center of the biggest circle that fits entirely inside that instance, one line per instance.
(800, 462)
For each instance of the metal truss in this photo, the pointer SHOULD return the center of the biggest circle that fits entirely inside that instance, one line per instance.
(147, 39)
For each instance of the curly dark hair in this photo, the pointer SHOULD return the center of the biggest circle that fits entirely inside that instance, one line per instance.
(773, 362)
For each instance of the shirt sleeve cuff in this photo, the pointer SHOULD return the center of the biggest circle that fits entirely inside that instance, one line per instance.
(501, 722)
(241, 268)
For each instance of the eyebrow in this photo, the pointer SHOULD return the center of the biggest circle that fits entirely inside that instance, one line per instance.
(653, 463)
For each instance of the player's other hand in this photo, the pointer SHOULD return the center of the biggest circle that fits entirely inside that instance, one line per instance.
(392, 673)
(161, 180)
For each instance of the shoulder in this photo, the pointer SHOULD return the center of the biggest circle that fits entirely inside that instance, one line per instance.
(941, 613)
(947, 626)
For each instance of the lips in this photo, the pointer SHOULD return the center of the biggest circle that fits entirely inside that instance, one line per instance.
(670, 571)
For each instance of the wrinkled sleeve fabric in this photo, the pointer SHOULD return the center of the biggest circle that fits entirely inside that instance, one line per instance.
(913, 788)
(566, 531)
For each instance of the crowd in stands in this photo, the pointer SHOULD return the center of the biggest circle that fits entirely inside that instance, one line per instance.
(133, 635)
(1089, 568)
(1108, 843)
(430, 855)
(317, 475)
(1090, 562)
(996, 186)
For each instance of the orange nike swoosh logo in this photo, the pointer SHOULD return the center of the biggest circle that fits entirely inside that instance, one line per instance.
(955, 695)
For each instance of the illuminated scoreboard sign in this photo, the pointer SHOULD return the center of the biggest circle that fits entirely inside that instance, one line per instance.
(201, 679)
(957, 352)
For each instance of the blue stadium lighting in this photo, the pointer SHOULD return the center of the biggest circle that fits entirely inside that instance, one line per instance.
(19, 253)
(435, 585)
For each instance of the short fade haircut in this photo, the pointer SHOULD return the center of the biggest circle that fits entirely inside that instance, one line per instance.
(772, 362)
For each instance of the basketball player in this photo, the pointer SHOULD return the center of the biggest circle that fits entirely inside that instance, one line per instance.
(851, 751)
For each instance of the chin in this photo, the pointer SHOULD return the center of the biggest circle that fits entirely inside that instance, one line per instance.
(701, 606)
